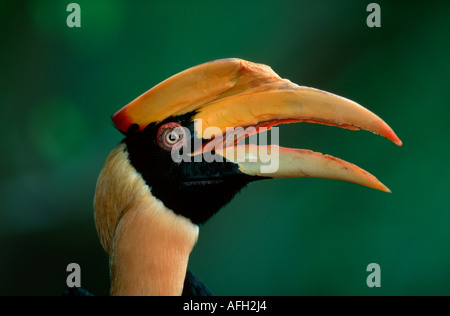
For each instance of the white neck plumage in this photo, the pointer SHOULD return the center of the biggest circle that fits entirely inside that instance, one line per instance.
(148, 244)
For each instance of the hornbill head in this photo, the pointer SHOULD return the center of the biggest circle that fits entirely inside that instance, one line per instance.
(183, 137)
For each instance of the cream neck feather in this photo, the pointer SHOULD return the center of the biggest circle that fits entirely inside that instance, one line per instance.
(148, 245)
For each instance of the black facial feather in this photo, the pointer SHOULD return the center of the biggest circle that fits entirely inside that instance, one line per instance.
(195, 190)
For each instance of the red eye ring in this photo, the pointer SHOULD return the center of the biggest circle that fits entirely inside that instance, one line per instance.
(171, 136)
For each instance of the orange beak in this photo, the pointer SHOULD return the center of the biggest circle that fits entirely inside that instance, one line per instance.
(233, 93)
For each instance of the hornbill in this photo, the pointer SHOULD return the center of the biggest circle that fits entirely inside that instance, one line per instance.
(148, 205)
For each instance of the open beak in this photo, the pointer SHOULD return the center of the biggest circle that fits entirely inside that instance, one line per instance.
(235, 93)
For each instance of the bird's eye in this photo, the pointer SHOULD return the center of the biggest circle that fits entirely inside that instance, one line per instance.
(170, 136)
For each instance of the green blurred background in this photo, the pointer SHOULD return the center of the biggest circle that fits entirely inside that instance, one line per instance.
(59, 87)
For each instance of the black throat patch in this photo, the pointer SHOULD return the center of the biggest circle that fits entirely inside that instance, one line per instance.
(195, 190)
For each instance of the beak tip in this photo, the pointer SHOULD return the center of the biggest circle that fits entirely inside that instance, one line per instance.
(390, 134)
(397, 141)
(386, 189)
(381, 187)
